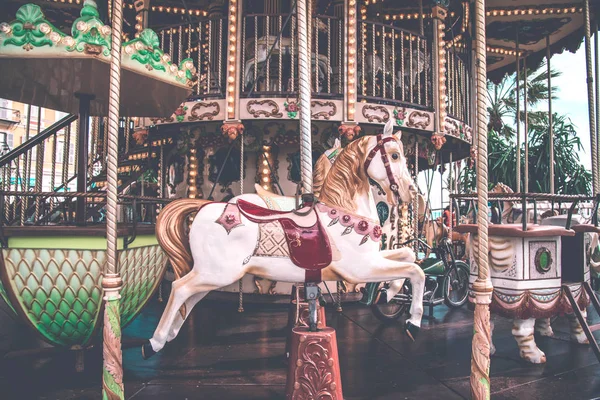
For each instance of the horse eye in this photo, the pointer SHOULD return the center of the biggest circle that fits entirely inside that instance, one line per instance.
(395, 156)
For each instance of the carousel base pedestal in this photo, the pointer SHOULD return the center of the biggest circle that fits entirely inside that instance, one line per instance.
(301, 320)
(314, 367)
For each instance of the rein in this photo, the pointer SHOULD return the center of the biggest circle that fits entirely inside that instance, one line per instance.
(380, 147)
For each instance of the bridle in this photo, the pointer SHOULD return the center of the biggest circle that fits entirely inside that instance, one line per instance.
(380, 147)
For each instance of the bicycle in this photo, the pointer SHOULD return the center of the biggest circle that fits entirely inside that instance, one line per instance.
(446, 281)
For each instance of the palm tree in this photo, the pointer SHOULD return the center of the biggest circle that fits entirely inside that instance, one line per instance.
(502, 99)
(570, 177)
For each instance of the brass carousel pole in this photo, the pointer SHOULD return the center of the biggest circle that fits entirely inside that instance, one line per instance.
(550, 128)
(525, 128)
(480, 356)
(518, 99)
(304, 59)
(112, 374)
(597, 82)
(590, 87)
(325, 337)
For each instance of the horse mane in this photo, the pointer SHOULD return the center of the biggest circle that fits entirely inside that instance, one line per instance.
(322, 167)
(346, 178)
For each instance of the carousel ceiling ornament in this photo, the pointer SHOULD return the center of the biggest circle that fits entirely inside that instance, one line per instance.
(231, 130)
(32, 37)
(349, 131)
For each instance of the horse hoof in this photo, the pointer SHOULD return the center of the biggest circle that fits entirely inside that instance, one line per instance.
(412, 330)
(147, 351)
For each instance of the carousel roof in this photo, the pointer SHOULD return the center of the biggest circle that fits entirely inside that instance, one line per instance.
(44, 66)
(532, 21)
(528, 22)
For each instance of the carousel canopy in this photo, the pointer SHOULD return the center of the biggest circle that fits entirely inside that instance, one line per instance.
(529, 20)
(44, 66)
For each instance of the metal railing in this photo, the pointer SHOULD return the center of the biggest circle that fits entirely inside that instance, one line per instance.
(458, 81)
(270, 55)
(393, 65)
(205, 42)
(134, 209)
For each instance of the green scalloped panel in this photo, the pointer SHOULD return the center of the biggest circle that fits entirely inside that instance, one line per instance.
(141, 269)
(60, 291)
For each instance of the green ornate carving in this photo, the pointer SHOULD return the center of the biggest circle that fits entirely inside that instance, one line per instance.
(89, 33)
(30, 30)
(90, 36)
(187, 65)
(112, 371)
(145, 50)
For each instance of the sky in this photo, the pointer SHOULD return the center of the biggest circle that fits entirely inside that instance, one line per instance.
(572, 102)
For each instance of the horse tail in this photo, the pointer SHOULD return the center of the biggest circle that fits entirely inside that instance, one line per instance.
(172, 233)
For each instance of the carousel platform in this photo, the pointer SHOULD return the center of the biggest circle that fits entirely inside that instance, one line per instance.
(220, 354)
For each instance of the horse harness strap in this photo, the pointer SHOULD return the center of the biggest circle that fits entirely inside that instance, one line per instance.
(380, 147)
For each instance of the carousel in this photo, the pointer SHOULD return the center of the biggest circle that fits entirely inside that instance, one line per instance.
(292, 135)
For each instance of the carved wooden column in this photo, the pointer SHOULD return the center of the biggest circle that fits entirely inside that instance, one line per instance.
(440, 98)
(482, 287)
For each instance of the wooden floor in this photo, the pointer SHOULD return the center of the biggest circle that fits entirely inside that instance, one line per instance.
(220, 354)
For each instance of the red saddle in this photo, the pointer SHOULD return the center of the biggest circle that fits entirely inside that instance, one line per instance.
(307, 240)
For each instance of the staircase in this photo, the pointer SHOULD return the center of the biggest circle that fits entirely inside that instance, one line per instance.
(38, 178)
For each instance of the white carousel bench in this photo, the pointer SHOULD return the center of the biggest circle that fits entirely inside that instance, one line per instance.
(527, 275)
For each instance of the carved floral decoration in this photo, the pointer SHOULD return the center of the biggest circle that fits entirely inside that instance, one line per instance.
(231, 130)
(291, 107)
(400, 115)
(438, 140)
(140, 136)
(180, 113)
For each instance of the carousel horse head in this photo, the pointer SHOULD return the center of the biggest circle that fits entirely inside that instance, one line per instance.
(386, 165)
(379, 159)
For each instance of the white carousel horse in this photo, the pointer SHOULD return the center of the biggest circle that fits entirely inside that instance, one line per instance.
(223, 239)
(284, 45)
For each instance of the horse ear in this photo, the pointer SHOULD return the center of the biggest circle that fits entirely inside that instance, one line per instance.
(388, 129)
(337, 143)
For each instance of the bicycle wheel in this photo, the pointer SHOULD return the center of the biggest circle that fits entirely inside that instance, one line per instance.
(391, 311)
(456, 285)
